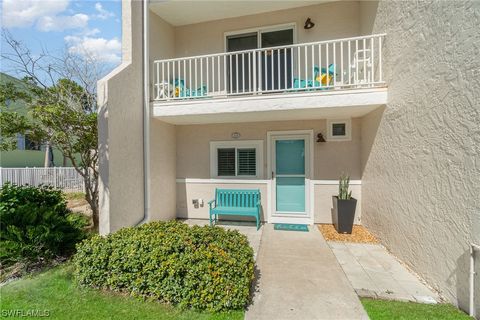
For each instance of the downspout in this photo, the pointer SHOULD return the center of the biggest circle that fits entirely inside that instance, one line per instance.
(146, 116)
(473, 247)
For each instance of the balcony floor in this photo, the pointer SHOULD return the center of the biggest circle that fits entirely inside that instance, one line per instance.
(272, 107)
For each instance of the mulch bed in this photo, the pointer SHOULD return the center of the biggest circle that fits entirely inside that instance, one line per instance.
(359, 234)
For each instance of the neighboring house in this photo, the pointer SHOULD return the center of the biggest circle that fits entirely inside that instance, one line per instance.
(28, 153)
(202, 101)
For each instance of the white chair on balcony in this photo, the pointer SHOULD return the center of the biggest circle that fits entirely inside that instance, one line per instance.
(165, 90)
(361, 67)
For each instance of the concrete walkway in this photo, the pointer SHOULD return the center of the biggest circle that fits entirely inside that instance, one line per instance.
(300, 278)
(375, 273)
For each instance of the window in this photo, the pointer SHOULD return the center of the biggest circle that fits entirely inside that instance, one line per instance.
(20, 142)
(24, 142)
(226, 161)
(247, 162)
(31, 144)
(278, 64)
(241, 159)
(339, 130)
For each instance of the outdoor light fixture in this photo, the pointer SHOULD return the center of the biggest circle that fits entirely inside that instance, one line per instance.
(308, 24)
(235, 135)
(320, 138)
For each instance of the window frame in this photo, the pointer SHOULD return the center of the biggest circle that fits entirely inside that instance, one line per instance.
(259, 30)
(348, 130)
(241, 144)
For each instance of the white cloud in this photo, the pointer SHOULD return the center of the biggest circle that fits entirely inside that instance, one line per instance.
(103, 50)
(102, 13)
(59, 23)
(90, 32)
(24, 13)
(44, 14)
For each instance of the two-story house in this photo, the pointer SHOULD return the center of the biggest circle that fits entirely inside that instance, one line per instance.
(284, 97)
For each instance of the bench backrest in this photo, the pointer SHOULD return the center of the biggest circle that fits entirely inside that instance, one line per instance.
(243, 198)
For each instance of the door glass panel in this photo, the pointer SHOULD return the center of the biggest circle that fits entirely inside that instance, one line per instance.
(242, 42)
(290, 157)
(290, 176)
(291, 194)
(277, 38)
(240, 69)
(277, 64)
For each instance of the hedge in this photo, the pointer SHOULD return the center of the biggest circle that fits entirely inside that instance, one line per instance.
(36, 225)
(207, 268)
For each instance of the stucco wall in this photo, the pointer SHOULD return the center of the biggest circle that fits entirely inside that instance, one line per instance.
(205, 190)
(187, 191)
(323, 202)
(162, 135)
(330, 158)
(120, 130)
(162, 38)
(121, 143)
(161, 42)
(420, 185)
(368, 11)
(332, 20)
(162, 170)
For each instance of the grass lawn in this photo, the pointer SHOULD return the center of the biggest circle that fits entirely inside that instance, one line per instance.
(55, 291)
(390, 310)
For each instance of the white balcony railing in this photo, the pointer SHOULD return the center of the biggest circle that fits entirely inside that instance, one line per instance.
(324, 65)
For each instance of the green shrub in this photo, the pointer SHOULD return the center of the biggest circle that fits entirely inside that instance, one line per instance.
(35, 225)
(193, 267)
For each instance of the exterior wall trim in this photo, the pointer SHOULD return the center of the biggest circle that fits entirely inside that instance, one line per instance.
(334, 182)
(294, 106)
(222, 181)
(269, 219)
(277, 97)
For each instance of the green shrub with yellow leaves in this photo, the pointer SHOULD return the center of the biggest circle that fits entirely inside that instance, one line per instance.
(207, 268)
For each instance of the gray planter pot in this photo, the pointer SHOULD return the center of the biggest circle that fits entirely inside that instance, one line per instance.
(343, 214)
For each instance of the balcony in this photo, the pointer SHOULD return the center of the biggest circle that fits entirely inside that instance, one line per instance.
(334, 69)
(337, 64)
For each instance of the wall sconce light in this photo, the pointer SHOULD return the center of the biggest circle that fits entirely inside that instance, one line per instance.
(236, 135)
(308, 24)
(320, 138)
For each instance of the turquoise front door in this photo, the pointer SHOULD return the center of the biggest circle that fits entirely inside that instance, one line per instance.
(289, 176)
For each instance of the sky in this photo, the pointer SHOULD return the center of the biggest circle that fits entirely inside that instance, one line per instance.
(78, 26)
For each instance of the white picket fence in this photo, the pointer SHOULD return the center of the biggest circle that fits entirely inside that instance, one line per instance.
(64, 178)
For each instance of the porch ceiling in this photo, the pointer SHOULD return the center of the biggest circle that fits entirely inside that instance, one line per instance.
(331, 105)
(179, 13)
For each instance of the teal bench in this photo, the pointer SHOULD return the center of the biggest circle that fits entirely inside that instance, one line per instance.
(235, 202)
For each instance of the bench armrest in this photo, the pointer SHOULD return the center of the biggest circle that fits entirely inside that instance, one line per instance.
(258, 203)
(212, 202)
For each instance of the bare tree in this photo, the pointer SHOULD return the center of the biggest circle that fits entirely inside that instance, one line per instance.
(60, 92)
